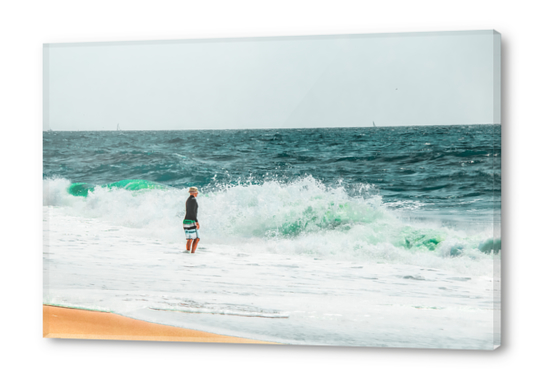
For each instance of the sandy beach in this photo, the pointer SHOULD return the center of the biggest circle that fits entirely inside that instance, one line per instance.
(61, 322)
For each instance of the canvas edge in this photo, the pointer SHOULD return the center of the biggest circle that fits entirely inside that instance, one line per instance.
(497, 298)
(269, 37)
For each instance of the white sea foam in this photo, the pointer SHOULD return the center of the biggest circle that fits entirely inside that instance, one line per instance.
(251, 291)
(303, 217)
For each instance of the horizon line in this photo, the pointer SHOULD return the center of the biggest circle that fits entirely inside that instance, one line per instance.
(271, 128)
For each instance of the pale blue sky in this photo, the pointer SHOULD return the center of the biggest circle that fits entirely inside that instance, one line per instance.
(283, 82)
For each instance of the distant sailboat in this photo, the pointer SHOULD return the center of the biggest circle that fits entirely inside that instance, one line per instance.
(118, 127)
(374, 123)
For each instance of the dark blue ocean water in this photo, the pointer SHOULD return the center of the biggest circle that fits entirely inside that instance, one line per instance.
(448, 169)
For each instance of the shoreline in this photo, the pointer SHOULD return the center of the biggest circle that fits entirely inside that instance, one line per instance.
(71, 323)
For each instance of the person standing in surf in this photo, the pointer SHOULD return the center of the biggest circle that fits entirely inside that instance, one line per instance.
(190, 223)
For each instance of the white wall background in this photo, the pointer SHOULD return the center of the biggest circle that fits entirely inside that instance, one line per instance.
(26, 25)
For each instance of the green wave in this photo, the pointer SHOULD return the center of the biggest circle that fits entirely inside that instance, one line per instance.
(490, 245)
(319, 217)
(82, 189)
(417, 239)
(379, 229)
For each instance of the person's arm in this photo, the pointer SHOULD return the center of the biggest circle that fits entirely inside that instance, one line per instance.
(196, 213)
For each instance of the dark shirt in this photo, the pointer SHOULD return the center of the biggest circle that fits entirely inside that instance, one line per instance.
(191, 209)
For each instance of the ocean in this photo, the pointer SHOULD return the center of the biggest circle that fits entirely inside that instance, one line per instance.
(377, 237)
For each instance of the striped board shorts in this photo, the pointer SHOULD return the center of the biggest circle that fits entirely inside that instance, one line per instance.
(190, 229)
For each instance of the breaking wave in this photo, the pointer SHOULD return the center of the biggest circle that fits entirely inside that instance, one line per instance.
(303, 216)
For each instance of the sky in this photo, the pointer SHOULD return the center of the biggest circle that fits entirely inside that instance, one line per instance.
(401, 79)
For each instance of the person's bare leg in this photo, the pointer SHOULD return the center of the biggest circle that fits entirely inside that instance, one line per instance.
(195, 245)
(188, 244)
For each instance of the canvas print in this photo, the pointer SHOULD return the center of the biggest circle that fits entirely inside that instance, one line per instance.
(339, 190)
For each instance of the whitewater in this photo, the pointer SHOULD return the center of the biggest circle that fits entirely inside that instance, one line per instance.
(312, 253)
